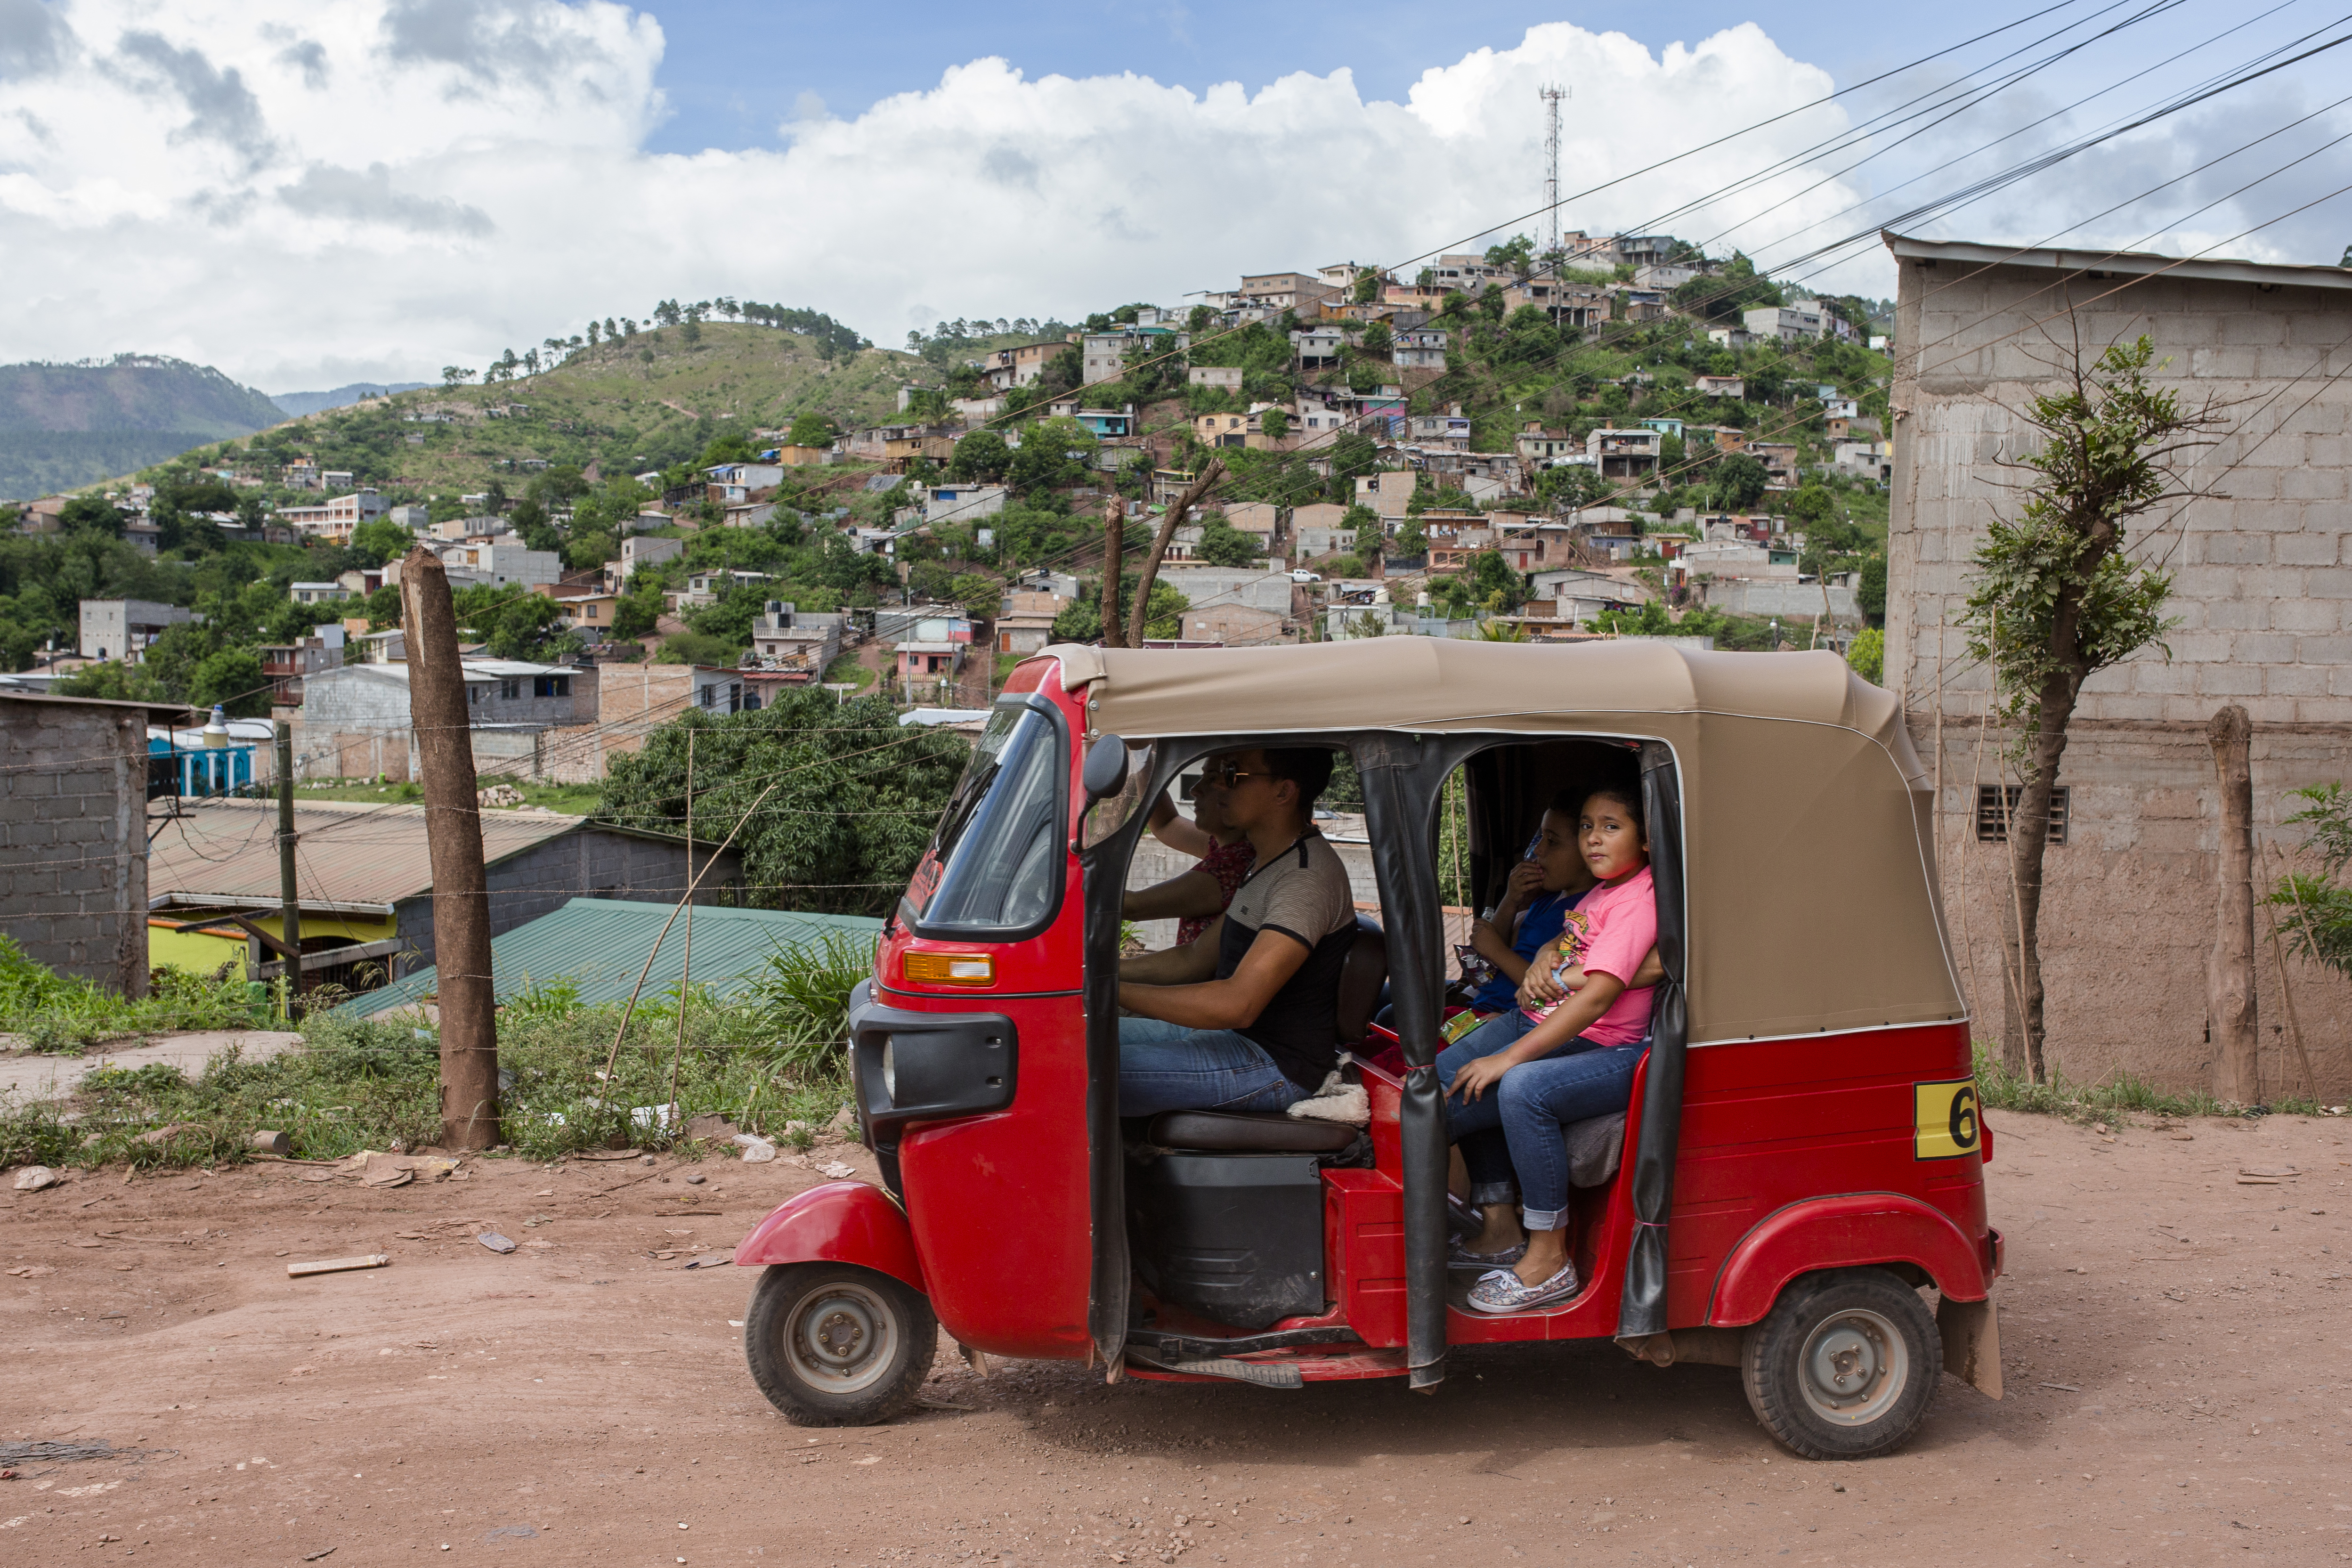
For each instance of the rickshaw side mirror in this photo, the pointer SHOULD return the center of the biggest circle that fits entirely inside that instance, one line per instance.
(1104, 772)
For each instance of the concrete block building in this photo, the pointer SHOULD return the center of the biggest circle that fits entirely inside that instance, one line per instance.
(122, 628)
(73, 834)
(2262, 592)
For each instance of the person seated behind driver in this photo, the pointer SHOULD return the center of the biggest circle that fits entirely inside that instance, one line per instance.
(1246, 1017)
(1541, 890)
(1199, 894)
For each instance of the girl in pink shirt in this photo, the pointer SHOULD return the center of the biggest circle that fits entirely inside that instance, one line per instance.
(1584, 1022)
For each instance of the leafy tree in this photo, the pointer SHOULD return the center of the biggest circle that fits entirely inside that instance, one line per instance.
(1082, 622)
(811, 429)
(1222, 545)
(514, 622)
(855, 795)
(113, 681)
(1571, 485)
(452, 375)
(1516, 256)
(697, 647)
(1377, 339)
(1735, 286)
(1276, 423)
(2314, 912)
(1868, 655)
(638, 610)
(529, 520)
(1490, 575)
(17, 647)
(89, 512)
(981, 455)
(233, 679)
(1412, 543)
(731, 448)
(2056, 599)
(1367, 286)
(1058, 451)
(1870, 596)
(1741, 481)
(379, 540)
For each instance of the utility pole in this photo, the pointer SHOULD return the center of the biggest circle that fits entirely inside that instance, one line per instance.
(1551, 96)
(290, 906)
(453, 837)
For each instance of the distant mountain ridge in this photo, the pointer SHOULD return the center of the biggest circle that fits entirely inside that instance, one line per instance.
(295, 405)
(67, 424)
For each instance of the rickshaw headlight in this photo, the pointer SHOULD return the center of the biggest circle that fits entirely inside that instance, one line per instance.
(890, 1067)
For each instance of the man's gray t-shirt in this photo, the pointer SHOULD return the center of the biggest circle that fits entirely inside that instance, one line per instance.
(1303, 893)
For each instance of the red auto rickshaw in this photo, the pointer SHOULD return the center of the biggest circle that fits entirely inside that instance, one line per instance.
(1803, 1153)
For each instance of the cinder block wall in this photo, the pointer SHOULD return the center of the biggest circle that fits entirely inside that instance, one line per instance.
(2262, 590)
(73, 837)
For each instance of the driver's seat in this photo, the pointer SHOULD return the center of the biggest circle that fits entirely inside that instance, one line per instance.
(1270, 1132)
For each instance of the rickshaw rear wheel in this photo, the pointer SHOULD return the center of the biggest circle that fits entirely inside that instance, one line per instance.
(1844, 1365)
(833, 1344)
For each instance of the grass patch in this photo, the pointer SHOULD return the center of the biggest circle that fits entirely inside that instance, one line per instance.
(2118, 1094)
(846, 671)
(57, 1014)
(767, 1061)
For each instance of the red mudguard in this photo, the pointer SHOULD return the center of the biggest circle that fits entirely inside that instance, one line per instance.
(840, 1222)
(1843, 1232)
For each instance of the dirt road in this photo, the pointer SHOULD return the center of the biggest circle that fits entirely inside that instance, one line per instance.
(2178, 1358)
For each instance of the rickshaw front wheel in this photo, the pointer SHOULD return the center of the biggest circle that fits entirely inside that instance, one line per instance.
(1844, 1365)
(833, 1344)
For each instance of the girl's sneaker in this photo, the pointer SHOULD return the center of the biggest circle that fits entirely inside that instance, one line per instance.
(1502, 1291)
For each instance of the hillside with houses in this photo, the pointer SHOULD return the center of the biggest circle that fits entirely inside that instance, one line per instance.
(1622, 437)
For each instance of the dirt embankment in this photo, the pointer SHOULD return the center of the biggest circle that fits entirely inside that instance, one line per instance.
(2181, 1391)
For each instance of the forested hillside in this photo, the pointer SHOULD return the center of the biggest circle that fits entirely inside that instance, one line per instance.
(67, 424)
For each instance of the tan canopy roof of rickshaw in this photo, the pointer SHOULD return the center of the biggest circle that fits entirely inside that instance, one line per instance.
(1808, 820)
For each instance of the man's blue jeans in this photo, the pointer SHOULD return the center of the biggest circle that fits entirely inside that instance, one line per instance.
(1529, 1109)
(1167, 1066)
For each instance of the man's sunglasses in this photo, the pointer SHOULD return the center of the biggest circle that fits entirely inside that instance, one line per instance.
(1226, 775)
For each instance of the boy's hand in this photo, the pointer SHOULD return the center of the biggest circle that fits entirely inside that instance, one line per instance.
(1526, 882)
(1477, 1075)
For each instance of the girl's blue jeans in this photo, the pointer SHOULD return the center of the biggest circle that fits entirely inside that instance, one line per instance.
(1516, 1125)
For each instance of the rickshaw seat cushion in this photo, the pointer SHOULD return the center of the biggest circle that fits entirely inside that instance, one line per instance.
(1249, 1132)
(1594, 1147)
(1361, 979)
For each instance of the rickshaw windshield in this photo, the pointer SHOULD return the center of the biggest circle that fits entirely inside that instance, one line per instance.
(999, 851)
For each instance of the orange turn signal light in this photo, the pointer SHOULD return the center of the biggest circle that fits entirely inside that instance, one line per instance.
(951, 968)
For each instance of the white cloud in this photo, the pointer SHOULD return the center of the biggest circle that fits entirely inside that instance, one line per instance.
(300, 190)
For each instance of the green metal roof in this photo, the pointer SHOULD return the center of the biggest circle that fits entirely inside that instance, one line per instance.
(600, 944)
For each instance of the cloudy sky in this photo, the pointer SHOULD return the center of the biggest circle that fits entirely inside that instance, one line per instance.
(306, 193)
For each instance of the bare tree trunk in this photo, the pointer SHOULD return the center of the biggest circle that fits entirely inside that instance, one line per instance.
(2229, 968)
(2028, 844)
(1140, 612)
(453, 838)
(1114, 631)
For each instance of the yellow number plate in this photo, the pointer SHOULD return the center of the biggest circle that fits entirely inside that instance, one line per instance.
(1946, 1119)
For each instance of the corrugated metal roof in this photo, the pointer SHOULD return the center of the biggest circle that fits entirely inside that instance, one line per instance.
(350, 853)
(600, 945)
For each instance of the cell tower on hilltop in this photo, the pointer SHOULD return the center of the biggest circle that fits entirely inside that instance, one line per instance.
(1551, 97)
